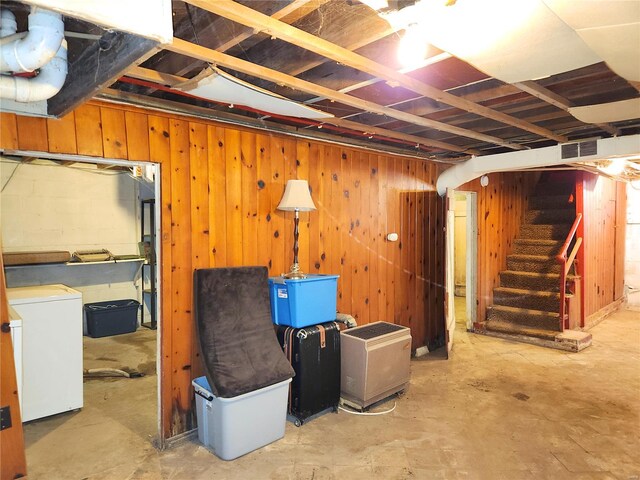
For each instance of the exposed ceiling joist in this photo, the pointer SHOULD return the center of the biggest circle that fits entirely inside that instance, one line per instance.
(155, 76)
(249, 17)
(364, 37)
(228, 38)
(356, 86)
(333, 23)
(166, 79)
(396, 134)
(222, 59)
(553, 98)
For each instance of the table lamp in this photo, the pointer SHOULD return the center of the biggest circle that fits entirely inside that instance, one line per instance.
(296, 198)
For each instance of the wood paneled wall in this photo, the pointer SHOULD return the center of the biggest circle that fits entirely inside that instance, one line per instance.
(220, 187)
(605, 209)
(501, 208)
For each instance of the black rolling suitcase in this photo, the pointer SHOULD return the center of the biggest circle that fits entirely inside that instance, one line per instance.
(314, 353)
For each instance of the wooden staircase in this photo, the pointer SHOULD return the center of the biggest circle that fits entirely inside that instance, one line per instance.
(526, 305)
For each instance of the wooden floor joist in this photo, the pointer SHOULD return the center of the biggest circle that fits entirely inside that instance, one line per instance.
(171, 80)
(553, 98)
(289, 14)
(252, 18)
(208, 55)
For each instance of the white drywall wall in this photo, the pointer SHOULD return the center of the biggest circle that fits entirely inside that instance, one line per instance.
(78, 207)
(632, 254)
(460, 247)
(51, 207)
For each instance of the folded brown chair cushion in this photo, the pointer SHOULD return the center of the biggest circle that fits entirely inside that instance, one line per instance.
(237, 340)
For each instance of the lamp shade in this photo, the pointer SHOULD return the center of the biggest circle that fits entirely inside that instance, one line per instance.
(296, 197)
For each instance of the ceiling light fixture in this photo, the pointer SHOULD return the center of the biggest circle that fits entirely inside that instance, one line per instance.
(376, 4)
(613, 167)
(412, 48)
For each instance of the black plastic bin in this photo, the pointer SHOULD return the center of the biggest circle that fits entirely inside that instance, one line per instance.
(112, 317)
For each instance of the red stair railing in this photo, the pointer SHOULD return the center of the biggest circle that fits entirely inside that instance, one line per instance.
(565, 267)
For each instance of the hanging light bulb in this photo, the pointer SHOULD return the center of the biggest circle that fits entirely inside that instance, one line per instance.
(615, 166)
(376, 4)
(413, 46)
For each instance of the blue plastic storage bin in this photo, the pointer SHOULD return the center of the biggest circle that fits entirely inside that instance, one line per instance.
(302, 302)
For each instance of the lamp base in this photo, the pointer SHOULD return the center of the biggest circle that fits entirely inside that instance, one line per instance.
(295, 272)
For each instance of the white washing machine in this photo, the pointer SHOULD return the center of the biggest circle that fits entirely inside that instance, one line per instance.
(51, 348)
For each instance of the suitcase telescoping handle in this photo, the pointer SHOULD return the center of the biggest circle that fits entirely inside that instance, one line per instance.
(208, 398)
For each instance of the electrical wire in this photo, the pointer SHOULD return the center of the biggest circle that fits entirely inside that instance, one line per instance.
(369, 414)
(294, 120)
(110, 372)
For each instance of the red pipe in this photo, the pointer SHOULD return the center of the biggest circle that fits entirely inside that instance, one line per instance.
(301, 121)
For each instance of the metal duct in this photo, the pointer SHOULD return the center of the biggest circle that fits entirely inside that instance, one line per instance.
(475, 167)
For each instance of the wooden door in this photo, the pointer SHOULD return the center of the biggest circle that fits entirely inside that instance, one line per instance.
(12, 459)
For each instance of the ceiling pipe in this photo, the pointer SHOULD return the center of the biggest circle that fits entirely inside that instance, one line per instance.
(45, 85)
(38, 47)
(536, 158)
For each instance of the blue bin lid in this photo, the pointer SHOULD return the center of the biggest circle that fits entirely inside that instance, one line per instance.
(202, 383)
(311, 277)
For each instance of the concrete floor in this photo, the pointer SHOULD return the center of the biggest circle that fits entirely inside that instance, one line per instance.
(494, 410)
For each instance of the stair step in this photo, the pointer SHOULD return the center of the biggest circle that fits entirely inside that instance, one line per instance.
(532, 246)
(568, 341)
(551, 216)
(533, 263)
(530, 280)
(541, 202)
(545, 232)
(523, 317)
(510, 328)
(529, 299)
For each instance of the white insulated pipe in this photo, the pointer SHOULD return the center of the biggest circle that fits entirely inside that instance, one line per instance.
(42, 87)
(8, 24)
(38, 47)
(536, 158)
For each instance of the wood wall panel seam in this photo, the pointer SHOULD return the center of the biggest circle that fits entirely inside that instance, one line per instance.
(172, 144)
(182, 417)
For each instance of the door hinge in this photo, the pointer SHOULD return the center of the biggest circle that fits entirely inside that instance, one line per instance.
(5, 417)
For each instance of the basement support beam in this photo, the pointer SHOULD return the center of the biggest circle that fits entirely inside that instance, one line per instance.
(99, 66)
(251, 18)
(222, 59)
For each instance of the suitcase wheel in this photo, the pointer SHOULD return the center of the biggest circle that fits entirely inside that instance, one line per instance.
(297, 422)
